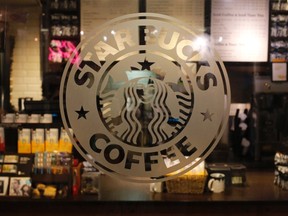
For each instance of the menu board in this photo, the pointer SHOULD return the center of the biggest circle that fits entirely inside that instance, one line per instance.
(188, 11)
(95, 13)
(240, 29)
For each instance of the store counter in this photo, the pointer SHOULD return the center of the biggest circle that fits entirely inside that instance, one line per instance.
(258, 196)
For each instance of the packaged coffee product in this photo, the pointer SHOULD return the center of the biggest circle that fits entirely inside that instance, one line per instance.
(38, 140)
(51, 139)
(24, 141)
(65, 144)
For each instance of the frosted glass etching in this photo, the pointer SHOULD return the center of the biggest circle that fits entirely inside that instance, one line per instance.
(146, 97)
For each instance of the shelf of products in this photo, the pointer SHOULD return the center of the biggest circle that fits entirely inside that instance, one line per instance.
(15, 177)
(60, 36)
(64, 28)
(40, 175)
(279, 31)
(52, 175)
(272, 123)
(36, 157)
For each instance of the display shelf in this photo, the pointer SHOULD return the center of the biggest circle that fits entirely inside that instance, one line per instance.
(64, 11)
(279, 12)
(70, 38)
(259, 188)
(60, 184)
(51, 178)
(10, 125)
(62, 20)
(260, 195)
(64, 32)
(30, 125)
(278, 38)
(278, 35)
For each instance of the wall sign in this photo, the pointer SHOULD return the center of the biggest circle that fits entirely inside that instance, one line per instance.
(240, 29)
(143, 110)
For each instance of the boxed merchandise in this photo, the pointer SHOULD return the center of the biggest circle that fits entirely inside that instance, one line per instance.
(65, 144)
(51, 140)
(235, 173)
(238, 174)
(38, 140)
(24, 141)
(52, 163)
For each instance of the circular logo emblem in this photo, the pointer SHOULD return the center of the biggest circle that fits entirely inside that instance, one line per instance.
(146, 97)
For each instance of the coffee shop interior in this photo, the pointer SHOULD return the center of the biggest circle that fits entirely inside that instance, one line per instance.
(37, 39)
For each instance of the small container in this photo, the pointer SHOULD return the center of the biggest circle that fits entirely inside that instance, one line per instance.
(238, 174)
(90, 182)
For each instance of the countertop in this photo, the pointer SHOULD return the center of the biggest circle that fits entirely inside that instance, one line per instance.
(259, 187)
(259, 195)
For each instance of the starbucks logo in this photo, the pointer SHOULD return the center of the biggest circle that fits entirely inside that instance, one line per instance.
(145, 98)
(146, 107)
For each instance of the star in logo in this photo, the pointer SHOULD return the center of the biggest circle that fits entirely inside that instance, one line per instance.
(81, 113)
(207, 115)
(146, 64)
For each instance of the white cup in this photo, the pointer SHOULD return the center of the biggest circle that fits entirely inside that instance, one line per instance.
(216, 182)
